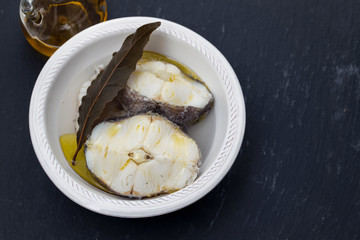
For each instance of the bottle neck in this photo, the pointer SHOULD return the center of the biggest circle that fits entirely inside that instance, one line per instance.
(29, 11)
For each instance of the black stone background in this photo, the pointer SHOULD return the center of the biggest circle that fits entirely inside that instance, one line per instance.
(297, 174)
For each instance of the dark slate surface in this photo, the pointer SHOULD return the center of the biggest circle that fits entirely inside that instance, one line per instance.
(297, 174)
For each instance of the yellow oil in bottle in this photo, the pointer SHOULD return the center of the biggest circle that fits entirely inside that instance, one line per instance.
(59, 20)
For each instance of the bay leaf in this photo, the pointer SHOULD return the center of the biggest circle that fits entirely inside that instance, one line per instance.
(112, 111)
(110, 81)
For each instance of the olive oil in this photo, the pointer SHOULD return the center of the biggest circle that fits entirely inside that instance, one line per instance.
(151, 56)
(68, 145)
(53, 22)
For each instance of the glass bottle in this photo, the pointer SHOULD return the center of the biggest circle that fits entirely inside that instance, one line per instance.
(47, 24)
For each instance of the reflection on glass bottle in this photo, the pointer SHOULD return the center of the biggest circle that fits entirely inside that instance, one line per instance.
(47, 24)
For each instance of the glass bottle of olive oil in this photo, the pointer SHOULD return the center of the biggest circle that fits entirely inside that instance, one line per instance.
(47, 24)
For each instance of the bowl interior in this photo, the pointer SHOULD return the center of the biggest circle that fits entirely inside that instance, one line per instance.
(61, 104)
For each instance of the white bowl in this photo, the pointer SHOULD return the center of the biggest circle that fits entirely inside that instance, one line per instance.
(53, 108)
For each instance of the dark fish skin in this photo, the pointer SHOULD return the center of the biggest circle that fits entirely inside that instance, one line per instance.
(182, 116)
(135, 103)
